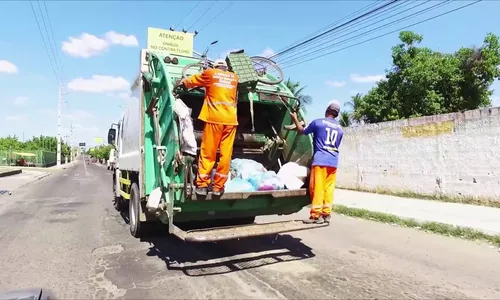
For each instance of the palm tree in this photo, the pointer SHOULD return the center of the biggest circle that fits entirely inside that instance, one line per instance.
(297, 90)
(354, 104)
(345, 119)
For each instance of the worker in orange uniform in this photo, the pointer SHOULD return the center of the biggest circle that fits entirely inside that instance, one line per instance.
(220, 116)
(327, 136)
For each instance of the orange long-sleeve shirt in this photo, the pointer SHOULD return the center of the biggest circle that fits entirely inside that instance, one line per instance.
(220, 102)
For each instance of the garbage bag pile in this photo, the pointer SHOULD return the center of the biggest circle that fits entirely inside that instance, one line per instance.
(247, 175)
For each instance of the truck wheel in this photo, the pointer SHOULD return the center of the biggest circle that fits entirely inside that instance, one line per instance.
(118, 201)
(134, 205)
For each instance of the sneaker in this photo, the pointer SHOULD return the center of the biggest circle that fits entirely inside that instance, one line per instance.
(201, 191)
(327, 218)
(312, 220)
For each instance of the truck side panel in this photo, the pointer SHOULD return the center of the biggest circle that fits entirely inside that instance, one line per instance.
(130, 156)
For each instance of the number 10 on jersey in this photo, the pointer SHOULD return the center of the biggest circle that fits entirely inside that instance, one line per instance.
(331, 136)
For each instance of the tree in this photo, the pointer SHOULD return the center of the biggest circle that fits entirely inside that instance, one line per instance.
(345, 119)
(354, 106)
(298, 91)
(100, 152)
(424, 82)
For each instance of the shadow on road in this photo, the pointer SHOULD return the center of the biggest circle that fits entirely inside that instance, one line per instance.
(202, 259)
(215, 258)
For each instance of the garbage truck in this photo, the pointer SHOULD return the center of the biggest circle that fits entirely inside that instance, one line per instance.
(154, 176)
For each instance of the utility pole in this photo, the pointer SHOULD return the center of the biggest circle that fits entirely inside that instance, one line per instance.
(71, 141)
(59, 125)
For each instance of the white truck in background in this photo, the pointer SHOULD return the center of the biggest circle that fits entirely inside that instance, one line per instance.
(112, 160)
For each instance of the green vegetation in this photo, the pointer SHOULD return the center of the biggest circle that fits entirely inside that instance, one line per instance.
(46, 143)
(100, 152)
(298, 91)
(423, 82)
(434, 227)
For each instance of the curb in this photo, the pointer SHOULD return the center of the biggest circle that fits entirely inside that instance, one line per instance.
(10, 173)
(43, 176)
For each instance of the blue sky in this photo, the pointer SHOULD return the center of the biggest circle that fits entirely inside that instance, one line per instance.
(100, 65)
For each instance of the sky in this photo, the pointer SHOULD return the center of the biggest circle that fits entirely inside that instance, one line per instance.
(98, 45)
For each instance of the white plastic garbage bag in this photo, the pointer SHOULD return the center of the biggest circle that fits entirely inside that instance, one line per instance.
(267, 181)
(293, 175)
(188, 142)
(246, 168)
(238, 185)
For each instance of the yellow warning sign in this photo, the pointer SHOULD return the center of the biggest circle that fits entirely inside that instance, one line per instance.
(168, 41)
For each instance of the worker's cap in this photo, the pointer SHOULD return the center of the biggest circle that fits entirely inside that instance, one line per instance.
(220, 63)
(334, 105)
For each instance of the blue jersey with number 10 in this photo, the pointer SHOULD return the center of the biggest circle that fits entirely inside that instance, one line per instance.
(327, 135)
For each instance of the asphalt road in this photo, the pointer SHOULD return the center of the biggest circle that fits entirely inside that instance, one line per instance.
(63, 233)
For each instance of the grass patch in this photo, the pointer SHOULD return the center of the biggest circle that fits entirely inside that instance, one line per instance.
(440, 198)
(434, 227)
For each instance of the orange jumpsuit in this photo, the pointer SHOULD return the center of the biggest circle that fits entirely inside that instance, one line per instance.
(221, 119)
(321, 187)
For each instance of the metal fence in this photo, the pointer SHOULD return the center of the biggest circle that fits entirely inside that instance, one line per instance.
(37, 158)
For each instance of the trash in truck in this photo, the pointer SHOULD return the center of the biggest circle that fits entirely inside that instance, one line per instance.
(245, 168)
(293, 175)
(188, 143)
(267, 181)
(238, 185)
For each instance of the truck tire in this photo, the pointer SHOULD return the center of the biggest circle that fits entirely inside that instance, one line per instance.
(118, 201)
(134, 208)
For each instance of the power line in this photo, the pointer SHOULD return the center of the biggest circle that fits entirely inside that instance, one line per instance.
(189, 13)
(43, 40)
(335, 28)
(329, 46)
(54, 43)
(332, 24)
(385, 34)
(202, 15)
(380, 14)
(218, 15)
(54, 59)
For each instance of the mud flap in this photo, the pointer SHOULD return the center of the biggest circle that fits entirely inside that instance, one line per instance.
(243, 231)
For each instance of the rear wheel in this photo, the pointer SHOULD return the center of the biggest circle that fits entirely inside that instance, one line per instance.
(118, 202)
(136, 228)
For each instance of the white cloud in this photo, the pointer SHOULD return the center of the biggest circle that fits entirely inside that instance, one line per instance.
(115, 38)
(20, 101)
(367, 79)
(7, 67)
(335, 84)
(16, 118)
(99, 84)
(87, 45)
(267, 52)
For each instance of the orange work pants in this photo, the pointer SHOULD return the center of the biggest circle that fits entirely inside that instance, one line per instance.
(215, 136)
(321, 188)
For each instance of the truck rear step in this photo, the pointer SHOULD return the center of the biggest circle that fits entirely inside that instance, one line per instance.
(243, 231)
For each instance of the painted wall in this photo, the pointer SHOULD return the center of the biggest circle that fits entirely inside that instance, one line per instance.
(454, 155)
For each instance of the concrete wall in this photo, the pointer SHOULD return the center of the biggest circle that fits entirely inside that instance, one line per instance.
(453, 155)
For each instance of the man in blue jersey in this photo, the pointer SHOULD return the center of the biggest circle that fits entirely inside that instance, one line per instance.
(327, 136)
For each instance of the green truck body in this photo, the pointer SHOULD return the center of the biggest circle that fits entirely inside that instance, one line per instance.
(150, 167)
